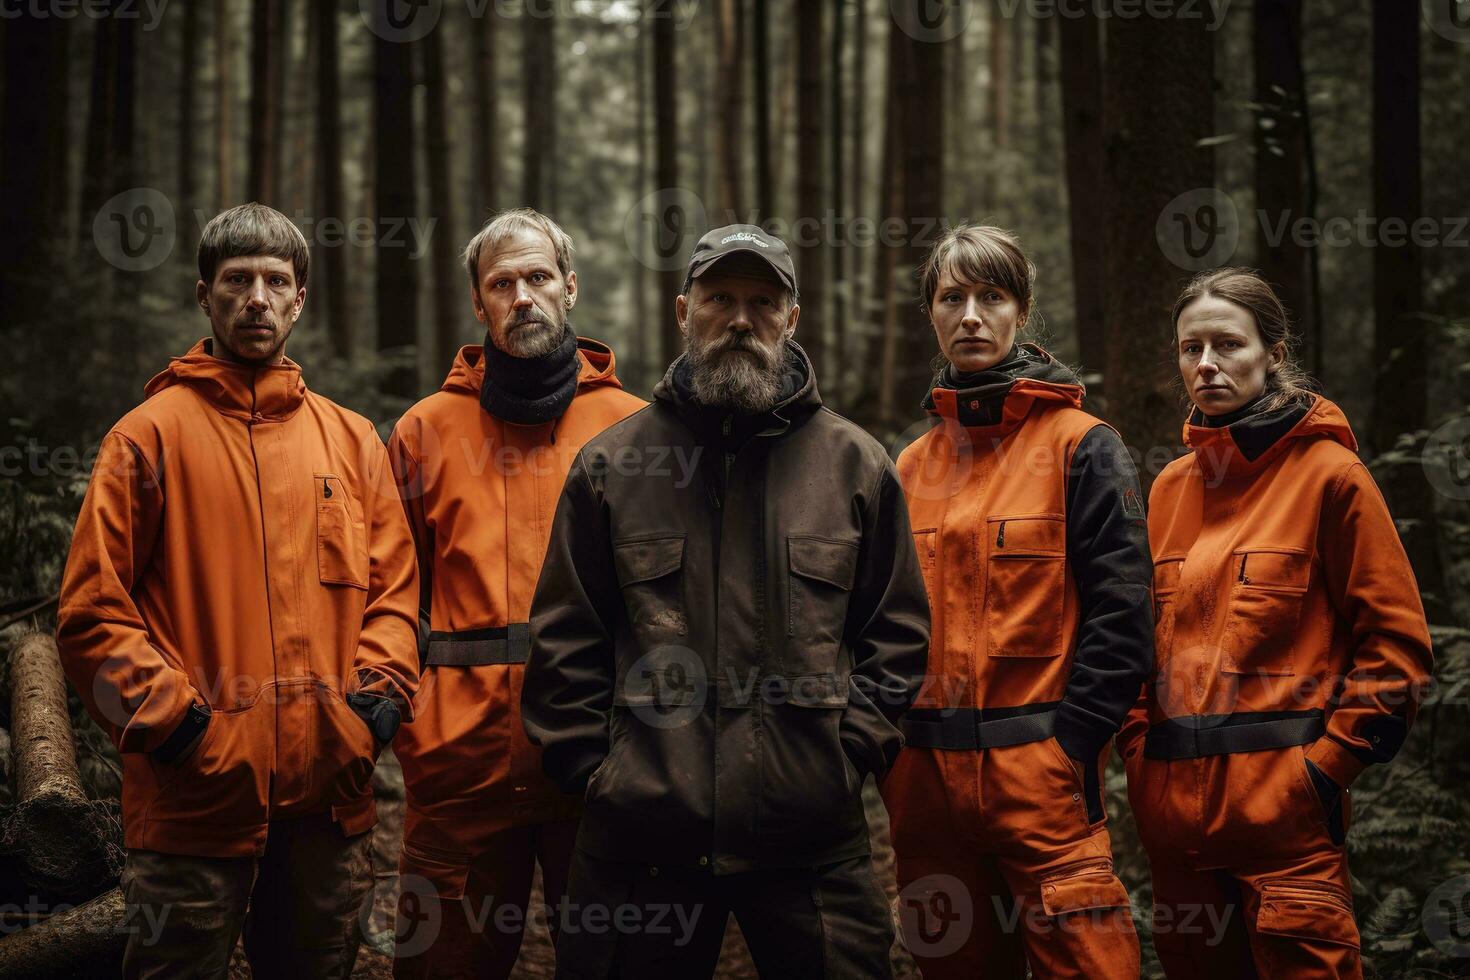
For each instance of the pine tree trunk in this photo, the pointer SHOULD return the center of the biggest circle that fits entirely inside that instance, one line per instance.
(1082, 94)
(333, 259)
(397, 275)
(809, 250)
(448, 298)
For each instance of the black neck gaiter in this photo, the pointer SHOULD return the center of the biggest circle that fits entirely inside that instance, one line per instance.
(530, 390)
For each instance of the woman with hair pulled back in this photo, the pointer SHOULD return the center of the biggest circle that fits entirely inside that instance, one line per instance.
(1030, 528)
(1291, 648)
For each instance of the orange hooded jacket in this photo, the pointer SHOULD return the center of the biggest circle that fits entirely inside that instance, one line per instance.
(240, 545)
(480, 494)
(1287, 613)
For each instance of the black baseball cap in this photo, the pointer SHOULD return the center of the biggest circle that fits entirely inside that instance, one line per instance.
(721, 242)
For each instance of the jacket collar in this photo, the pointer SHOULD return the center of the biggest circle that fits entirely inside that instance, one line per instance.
(999, 399)
(272, 393)
(598, 368)
(1250, 443)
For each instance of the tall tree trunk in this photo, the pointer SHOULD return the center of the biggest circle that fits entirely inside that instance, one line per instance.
(765, 181)
(1000, 77)
(188, 79)
(538, 74)
(397, 276)
(1285, 184)
(266, 53)
(644, 339)
(666, 174)
(448, 298)
(1401, 332)
(916, 113)
(331, 255)
(1158, 104)
(835, 191)
(729, 97)
(224, 191)
(858, 310)
(810, 250)
(486, 158)
(1082, 97)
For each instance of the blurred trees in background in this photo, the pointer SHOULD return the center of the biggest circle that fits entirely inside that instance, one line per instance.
(1126, 153)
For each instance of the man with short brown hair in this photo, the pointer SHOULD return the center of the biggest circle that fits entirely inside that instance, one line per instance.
(237, 613)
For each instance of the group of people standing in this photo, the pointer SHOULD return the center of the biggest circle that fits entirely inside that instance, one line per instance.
(658, 648)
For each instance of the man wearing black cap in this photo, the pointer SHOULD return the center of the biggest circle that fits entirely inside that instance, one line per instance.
(729, 621)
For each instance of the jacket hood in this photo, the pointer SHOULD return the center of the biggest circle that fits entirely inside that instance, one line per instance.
(272, 393)
(799, 395)
(1003, 395)
(598, 368)
(1256, 439)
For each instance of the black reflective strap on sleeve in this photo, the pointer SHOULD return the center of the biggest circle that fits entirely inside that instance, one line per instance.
(476, 648)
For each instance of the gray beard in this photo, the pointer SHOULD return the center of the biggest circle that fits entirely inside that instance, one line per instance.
(721, 378)
(536, 339)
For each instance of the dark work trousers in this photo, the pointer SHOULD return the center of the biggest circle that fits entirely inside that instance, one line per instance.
(639, 922)
(298, 905)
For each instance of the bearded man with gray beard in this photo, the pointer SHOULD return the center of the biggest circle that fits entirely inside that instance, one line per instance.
(729, 622)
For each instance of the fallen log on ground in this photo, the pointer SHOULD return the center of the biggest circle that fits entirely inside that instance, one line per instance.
(68, 846)
(85, 940)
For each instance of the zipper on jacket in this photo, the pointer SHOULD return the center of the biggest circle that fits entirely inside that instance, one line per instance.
(326, 489)
(266, 571)
(1000, 536)
(1242, 579)
(729, 456)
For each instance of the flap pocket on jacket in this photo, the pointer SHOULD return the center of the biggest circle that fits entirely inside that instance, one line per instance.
(648, 558)
(823, 559)
(341, 536)
(1026, 585)
(1265, 606)
(1307, 909)
(1092, 886)
(816, 691)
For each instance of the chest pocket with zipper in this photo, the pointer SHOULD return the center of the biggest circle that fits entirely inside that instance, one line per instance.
(341, 535)
(1026, 585)
(1265, 605)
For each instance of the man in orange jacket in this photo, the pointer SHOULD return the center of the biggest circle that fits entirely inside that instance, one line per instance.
(237, 613)
(481, 465)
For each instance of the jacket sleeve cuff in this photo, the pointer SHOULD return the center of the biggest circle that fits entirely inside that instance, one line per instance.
(1081, 735)
(1336, 762)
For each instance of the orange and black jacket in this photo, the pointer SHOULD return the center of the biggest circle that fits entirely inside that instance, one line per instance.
(1030, 528)
(1287, 610)
(240, 562)
(480, 494)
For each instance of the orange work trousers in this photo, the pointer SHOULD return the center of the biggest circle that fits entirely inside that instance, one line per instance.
(1249, 870)
(1003, 858)
(463, 907)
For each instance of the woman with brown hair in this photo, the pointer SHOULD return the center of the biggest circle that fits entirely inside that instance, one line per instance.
(1291, 651)
(1030, 529)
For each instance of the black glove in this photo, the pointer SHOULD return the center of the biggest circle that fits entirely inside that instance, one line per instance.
(379, 713)
(184, 737)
